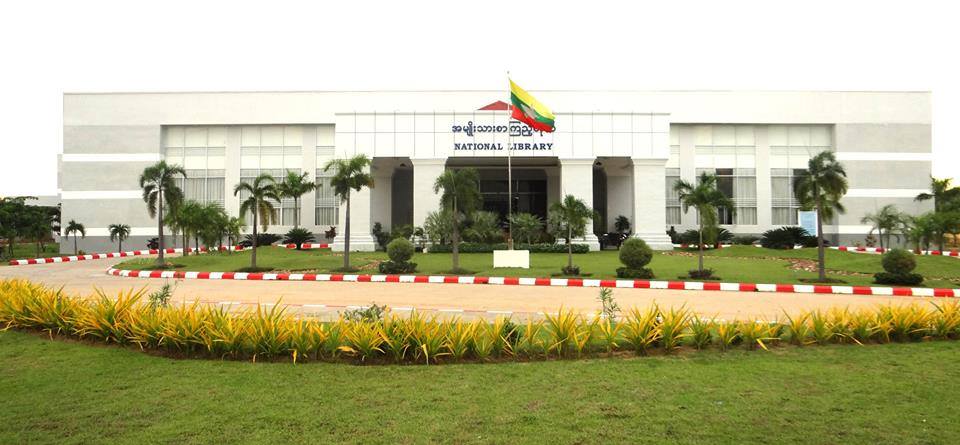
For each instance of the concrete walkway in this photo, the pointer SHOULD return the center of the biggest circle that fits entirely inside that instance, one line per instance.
(82, 277)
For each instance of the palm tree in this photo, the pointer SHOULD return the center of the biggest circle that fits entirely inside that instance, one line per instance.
(259, 201)
(234, 230)
(158, 182)
(885, 221)
(348, 174)
(943, 195)
(294, 186)
(568, 219)
(461, 196)
(190, 218)
(118, 233)
(74, 228)
(820, 187)
(707, 200)
(526, 226)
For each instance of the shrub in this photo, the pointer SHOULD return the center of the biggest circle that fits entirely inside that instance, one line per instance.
(899, 265)
(381, 237)
(697, 274)
(298, 236)
(811, 241)
(405, 231)
(784, 237)
(692, 236)
(642, 273)
(372, 313)
(161, 297)
(674, 236)
(372, 334)
(898, 261)
(263, 239)
(153, 243)
(745, 240)
(484, 228)
(635, 253)
(393, 267)
(573, 270)
(907, 279)
(400, 250)
(487, 248)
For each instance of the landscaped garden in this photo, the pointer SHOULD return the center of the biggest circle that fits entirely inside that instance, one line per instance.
(733, 264)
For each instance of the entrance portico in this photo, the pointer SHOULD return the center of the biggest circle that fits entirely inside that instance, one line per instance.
(410, 150)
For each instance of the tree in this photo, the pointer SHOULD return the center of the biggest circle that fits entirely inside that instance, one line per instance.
(568, 219)
(920, 230)
(258, 202)
(943, 195)
(461, 196)
(74, 228)
(885, 221)
(526, 226)
(234, 230)
(707, 200)
(13, 215)
(621, 224)
(820, 187)
(158, 183)
(119, 233)
(294, 186)
(348, 174)
(190, 220)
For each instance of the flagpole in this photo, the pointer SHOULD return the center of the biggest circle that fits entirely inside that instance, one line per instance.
(509, 171)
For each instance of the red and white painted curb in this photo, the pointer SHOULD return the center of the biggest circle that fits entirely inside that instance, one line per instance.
(100, 256)
(553, 282)
(306, 246)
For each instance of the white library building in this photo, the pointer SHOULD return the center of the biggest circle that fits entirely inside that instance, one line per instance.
(619, 151)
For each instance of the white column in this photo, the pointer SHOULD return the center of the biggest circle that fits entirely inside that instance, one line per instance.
(576, 178)
(382, 195)
(308, 202)
(425, 173)
(764, 194)
(360, 237)
(231, 172)
(649, 203)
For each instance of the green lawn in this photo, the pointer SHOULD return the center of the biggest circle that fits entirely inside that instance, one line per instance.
(66, 392)
(737, 264)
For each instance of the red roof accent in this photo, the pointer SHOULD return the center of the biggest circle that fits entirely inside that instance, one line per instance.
(496, 106)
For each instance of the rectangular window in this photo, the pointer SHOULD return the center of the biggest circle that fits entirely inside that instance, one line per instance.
(791, 147)
(200, 150)
(740, 185)
(673, 198)
(327, 204)
(783, 204)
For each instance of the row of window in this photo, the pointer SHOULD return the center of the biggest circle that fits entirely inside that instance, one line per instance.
(740, 185)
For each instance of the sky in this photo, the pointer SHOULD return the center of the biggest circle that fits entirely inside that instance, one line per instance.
(49, 48)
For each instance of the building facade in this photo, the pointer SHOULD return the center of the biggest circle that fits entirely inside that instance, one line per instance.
(619, 151)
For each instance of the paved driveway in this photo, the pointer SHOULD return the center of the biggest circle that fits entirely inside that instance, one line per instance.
(83, 276)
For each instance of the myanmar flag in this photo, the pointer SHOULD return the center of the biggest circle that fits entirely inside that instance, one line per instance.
(530, 111)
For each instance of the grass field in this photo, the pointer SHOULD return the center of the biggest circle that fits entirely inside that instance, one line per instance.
(29, 250)
(737, 264)
(67, 392)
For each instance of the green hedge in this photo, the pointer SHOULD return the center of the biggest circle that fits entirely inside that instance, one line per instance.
(486, 248)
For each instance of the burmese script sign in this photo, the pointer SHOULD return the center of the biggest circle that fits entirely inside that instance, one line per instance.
(516, 129)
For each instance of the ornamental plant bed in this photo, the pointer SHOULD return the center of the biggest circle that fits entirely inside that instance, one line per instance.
(270, 333)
